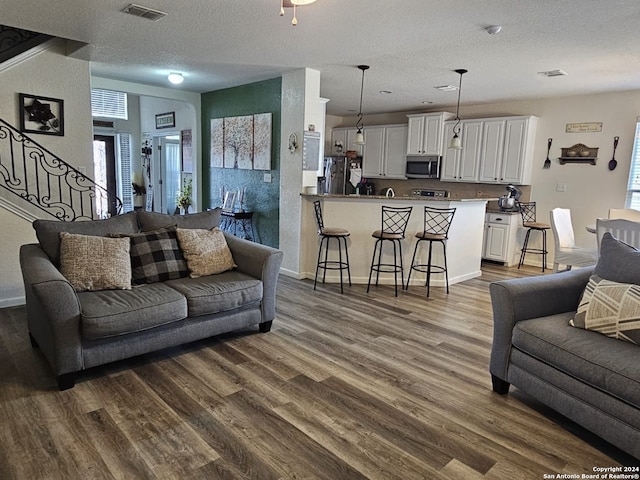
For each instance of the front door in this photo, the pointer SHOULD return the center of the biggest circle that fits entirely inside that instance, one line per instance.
(104, 174)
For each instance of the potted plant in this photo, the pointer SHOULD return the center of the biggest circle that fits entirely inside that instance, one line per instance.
(184, 198)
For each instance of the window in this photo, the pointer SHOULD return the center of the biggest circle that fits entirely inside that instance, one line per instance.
(109, 104)
(633, 189)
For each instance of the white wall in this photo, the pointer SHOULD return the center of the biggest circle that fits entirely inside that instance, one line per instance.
(49, 74)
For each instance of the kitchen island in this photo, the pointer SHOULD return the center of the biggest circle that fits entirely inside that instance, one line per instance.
(361, 215)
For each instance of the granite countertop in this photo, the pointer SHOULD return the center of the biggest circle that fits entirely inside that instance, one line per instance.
(399, 197)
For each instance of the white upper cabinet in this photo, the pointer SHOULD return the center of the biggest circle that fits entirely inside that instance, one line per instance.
(346, 137)
(424, 134)
(462, 165)
(499, 149)
(385, 151)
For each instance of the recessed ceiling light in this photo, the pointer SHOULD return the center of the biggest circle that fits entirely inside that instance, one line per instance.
(447, 88)
(553, 73)
(175, 78)
(385, 92)
(493, 29)
(426, 102)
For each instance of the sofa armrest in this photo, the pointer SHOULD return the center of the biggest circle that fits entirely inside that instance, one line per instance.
(261, 262)
(519, 299)
(53, 310)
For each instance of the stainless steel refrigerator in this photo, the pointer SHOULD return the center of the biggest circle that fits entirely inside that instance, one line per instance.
(337, 172)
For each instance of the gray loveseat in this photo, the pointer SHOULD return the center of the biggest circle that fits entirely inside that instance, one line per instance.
(80, 330)
(589, 377)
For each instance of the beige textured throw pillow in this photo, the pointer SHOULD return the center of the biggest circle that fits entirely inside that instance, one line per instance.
(95, 263)
(206, 251)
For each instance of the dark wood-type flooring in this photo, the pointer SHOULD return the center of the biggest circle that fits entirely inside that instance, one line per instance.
(349, 386)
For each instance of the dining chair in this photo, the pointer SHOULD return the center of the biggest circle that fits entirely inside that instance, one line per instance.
(626, 231)
(566, 251)
(624, 213)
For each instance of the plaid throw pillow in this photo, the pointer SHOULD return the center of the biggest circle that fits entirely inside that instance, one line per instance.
(156, 256)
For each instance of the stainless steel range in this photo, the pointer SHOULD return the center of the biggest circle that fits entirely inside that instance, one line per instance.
(430, 193)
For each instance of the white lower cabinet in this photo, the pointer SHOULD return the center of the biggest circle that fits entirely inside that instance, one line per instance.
(500, 243)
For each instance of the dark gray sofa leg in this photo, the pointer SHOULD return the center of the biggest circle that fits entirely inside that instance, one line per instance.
(66, 380)
(265, 326)
(499, 385)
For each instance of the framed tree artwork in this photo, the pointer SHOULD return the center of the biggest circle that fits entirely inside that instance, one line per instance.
(43, 115)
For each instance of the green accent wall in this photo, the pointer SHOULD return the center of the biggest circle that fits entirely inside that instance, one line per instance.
(260, 197)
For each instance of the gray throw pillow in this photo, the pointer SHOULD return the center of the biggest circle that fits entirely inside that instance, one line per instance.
(618, 261)
(155, 221)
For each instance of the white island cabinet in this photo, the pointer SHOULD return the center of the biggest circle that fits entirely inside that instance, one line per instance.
(361, 215)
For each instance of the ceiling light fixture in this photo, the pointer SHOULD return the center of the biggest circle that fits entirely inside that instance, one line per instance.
(456, 142)
(293, 3)
(175, 78)
(359, 140)
(493, 29)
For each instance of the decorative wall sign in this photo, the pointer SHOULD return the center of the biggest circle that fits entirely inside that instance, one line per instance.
(583, 127)
(187, 151)
(166, 120)
(242, 142)
(41, 115)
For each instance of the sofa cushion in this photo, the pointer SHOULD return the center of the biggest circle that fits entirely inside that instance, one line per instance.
(605, 363)
(48, 231)
(154, 221)
(610, 308)
(156, 256)
(111, 313)
(95, 263)
(618, 261)
(218, 293)
(206, 251)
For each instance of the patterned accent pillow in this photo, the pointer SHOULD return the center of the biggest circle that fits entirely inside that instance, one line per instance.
(610, 308)
(95, 263)
(206, 251)
(156, 256)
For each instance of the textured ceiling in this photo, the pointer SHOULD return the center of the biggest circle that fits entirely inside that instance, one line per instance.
(412, 46)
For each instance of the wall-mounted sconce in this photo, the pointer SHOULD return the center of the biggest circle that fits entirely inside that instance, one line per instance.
(293, 143)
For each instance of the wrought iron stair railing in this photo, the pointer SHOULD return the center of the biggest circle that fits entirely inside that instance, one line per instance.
(33, 173)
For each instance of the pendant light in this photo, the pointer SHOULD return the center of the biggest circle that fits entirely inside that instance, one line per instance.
(294, 4)
(359, 140)
(456, 142)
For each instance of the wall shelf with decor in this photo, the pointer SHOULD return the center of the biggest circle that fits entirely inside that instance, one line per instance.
(579, 153)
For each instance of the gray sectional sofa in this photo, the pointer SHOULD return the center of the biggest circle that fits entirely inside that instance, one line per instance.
(587, 376)
(79, 330)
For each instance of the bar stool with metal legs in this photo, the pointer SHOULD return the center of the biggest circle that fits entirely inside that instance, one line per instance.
(394, 225)
(528, 212)
(437, 222)
(326, 234)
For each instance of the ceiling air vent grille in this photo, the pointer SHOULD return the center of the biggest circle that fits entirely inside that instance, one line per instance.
(144, 12)
(554, 73)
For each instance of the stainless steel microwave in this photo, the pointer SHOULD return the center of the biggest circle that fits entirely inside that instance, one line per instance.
(423, 167)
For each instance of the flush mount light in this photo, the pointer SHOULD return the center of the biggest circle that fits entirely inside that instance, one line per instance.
(493, 29)
(426, 102)
(293, 3)
(175, 78)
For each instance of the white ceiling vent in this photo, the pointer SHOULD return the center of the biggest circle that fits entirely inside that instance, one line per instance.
(553, 73)
(144, 12)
